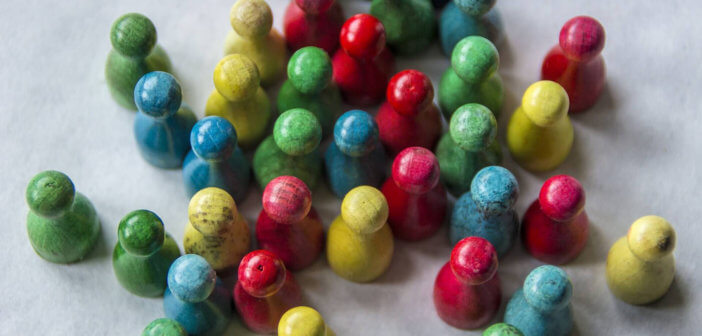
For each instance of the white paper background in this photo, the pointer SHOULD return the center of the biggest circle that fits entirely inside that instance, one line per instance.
(636, 153)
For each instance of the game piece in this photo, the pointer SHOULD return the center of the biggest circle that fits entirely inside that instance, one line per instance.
(288, 226)
(164, 327)
(162, 125)
(143, 254)
(310, 86)
(467, 291)
(62, 224)
(641, 266)
(314, 23)
(239, 98)
(196, 298)
(264, 291)
(355, 157)
(462, 18)
(416, 200)
(359, 241)
(292, 149)
(487, 210)
(303, 321)
(576, 63)
(364, 64)
(216, 230)
(542, 307)
(410, 25)
(134, 53)
(468, 146)
(215, 159)
(502, 329)
(253, 35)
(539, 134)
(555, 227)
(472, 77)
(409, 117)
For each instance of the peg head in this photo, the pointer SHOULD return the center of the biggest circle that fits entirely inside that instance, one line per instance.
(651, 238)
(502, 329)
(356, 133)
(314, 7)
(158, 94)
(582, 38)
(164, 327)
(562, 197)
(475, 8)
(287, 199)
(261, 273)
(212, 210)
(297, 132)
(50, 193)
(363, 36)
(545, 103)
(310, 70)
(474, 260)
(191, 279)
(251, 18)
(494, 190)
(364, 209)
(236, 77)
(416, 170)
(141, 233)
(475, 59)
(213, 138)
(547, 288)
(410, 92)
(473, 127)
(302, 321)
(133, 35)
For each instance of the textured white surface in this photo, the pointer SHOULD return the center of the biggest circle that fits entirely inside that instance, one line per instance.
(636, 152)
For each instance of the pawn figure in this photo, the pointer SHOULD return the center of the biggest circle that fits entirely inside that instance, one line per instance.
(539, 134)
(315, 23)
(472, 77)
(359, 242)
(143, 254)
(134, 53)
(576, 63)
(555, 227)
(253, 35)
(462, 18)
(264, 291)
(355, 157)
(196, 298)
(640, 266)
(288, 226)
(363, 65)
(303, 321)
(487, 211)
(216, 230)
(409, 117)
(310, 86)
(62, 224)
(467, 291)
(542, 307)
(416, 199)
(162, 125)
(410, 24)
(215, 159)
(468, 146)
(239, 98)
(164, 327)
(291, 150)
(502, 329)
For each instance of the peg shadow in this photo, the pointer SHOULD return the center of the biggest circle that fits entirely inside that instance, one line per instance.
(595, 250)
(675, 298)
(601, 117)
(101, 249)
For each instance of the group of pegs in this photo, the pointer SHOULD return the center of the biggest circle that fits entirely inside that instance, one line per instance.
(336, 61)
